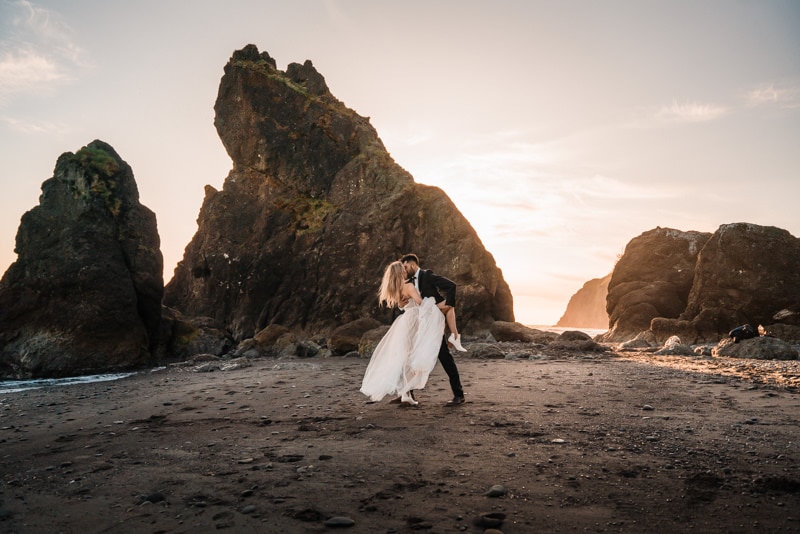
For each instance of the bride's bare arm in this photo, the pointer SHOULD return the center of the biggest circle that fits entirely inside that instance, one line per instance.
(410, 292)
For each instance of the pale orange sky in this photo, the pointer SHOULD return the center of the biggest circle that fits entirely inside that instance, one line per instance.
(561, 129)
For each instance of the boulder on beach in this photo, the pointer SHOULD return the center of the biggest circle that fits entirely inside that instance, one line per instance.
(759, 348)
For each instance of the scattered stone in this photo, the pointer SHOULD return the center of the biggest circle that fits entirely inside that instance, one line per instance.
(307, 349)
(239, 363)
(223, 519)
(647, 408)
(497, 490)
(577, 341)
(339, 522)
(508, 331)
(418, 523)
(704, 350)
(519, 355)
(673, 346)
(489, 519)
(634, 345)
(486, 351)
(154, 497)
(209, 367)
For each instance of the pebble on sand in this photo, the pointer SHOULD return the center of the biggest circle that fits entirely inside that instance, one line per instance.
(339, 522)
(496, 491)
(490, 520)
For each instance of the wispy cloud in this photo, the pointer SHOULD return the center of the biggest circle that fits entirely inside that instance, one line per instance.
(37, 50)
(32, 127)
(26, 70)
(605, 187)
(690, 112)
(786, 95)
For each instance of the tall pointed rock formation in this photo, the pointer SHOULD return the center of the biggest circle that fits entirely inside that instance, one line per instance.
(311, 213)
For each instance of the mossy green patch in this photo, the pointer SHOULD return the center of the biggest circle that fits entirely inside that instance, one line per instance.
(95, 181)
(309, 214)
(95, 161)
(263, 67)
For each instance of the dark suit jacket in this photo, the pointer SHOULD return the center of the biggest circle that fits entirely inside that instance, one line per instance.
(431, 285)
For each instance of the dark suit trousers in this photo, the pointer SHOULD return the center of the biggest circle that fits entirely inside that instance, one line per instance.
(449, 365)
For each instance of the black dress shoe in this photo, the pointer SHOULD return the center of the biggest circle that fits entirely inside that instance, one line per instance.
(458, 399)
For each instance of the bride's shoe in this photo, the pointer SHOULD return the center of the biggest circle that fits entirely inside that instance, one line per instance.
(406, 398)
(455, 340)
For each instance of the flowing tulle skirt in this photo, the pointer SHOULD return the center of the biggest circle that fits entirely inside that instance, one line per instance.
(406, 355)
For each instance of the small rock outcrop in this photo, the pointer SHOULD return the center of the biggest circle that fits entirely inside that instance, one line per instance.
(312, 212)
(587, 307)
(652, 279)
(84, 295)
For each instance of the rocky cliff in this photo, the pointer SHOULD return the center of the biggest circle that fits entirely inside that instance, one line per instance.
(587, 307)
(651, 279)
(699, 286)
(85, 292)
(311, 213)
(745, 273)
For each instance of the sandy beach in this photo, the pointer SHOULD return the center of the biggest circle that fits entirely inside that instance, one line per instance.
(597, 442)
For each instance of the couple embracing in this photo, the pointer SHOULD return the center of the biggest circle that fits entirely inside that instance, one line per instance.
(406, 355)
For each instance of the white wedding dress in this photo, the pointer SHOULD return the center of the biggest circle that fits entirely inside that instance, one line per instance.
(406, 355)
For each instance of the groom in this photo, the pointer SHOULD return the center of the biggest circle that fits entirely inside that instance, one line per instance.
(430, 284)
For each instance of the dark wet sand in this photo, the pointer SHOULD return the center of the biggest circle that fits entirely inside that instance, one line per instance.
(285, 445)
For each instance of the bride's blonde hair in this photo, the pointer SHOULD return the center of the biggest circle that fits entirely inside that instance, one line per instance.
(391, 290)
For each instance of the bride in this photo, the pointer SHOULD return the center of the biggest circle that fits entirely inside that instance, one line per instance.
(408, 352)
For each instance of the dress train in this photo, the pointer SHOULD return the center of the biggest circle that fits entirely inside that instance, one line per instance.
(407, 353)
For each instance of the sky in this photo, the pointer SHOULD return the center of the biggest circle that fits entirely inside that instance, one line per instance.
(560, 129)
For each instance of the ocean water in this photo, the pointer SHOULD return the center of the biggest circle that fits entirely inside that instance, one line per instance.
(13, 386)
